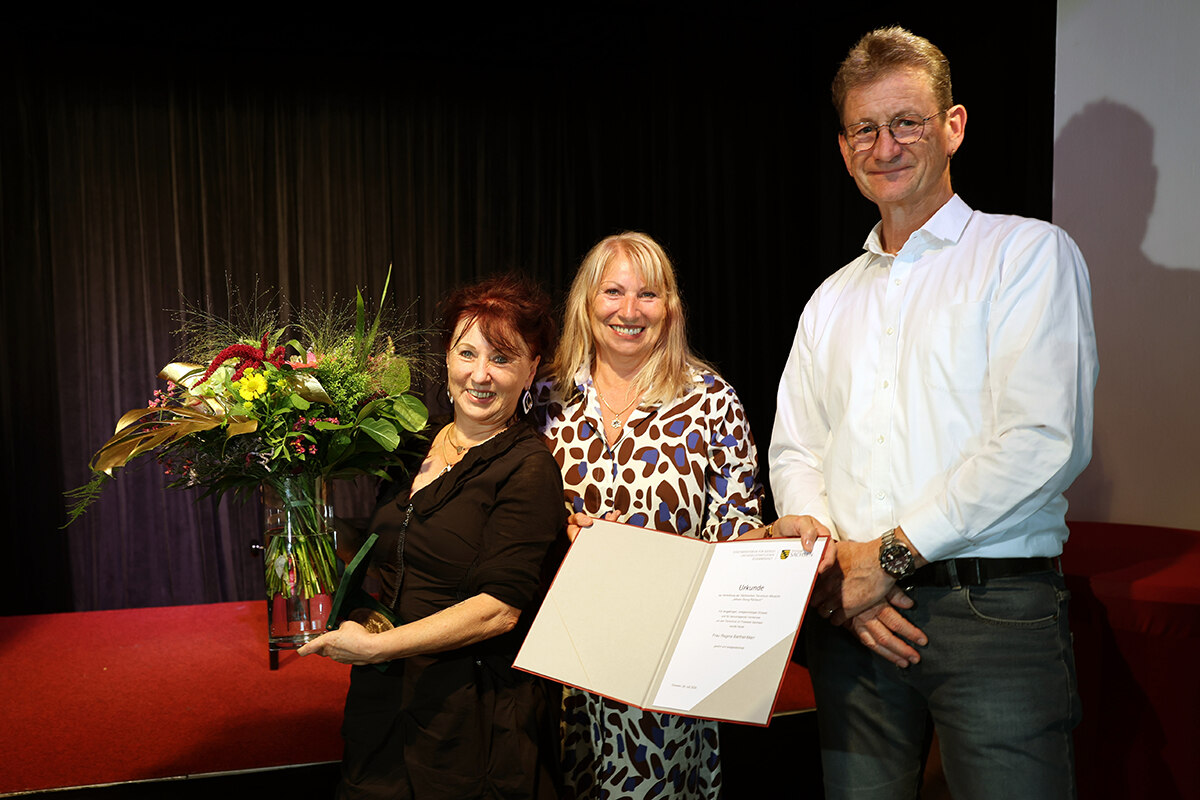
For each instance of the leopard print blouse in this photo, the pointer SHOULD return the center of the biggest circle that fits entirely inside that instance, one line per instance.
(688, 466)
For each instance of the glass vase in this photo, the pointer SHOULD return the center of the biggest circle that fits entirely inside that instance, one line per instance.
(301, 560)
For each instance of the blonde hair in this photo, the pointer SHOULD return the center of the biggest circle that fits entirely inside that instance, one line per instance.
(886, 50)
(667, 373)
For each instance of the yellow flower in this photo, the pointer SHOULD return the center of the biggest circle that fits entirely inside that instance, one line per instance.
(252, 385)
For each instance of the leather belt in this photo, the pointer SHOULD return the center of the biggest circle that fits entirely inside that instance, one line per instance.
(977, 571)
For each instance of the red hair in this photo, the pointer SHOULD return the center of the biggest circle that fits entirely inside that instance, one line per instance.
(513, 313)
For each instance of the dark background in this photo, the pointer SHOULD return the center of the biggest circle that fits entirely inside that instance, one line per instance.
(144, 158)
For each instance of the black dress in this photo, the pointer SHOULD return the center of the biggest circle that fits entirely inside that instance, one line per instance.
(462, 724)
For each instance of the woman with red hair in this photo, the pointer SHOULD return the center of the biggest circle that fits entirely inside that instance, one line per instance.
(460, 554)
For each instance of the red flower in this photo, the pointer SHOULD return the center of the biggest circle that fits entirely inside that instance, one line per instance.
(248, 356)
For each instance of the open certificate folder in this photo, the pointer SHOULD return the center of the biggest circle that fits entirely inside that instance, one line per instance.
(674, 624)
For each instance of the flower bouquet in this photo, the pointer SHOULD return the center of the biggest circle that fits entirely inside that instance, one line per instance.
(246, 407)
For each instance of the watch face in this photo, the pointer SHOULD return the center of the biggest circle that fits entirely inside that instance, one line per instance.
(896, 560)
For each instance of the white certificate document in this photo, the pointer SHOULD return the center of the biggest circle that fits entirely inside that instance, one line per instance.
(674, 624)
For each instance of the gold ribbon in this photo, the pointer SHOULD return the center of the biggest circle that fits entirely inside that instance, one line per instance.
(144, 429)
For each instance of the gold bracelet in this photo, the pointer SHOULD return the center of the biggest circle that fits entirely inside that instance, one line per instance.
(768, 534)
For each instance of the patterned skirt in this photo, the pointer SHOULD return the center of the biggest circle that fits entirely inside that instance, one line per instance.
(614, 752)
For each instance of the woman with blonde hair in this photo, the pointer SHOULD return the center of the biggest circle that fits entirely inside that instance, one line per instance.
(647, 434)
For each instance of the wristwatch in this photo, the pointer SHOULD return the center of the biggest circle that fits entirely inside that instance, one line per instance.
(894, 557)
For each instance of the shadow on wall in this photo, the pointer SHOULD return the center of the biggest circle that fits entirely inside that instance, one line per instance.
(1144, 467)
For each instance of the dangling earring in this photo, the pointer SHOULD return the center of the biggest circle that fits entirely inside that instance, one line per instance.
(526, 401)
(449, 397)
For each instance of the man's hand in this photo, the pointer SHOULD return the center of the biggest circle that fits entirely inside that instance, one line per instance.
(858, 582)
(884, 630)
(864, 583)
(855, 584)
(806, 529)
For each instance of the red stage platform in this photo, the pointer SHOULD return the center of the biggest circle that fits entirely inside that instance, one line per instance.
(105, 697)
(142, 694)
(148, 694)
(1135, 615)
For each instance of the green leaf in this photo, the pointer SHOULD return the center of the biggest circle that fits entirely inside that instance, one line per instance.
(368, 410)
(339, 446)
(370, 342)
(410, 413)
(382, 431)
(85, 495)
(360, 329)
(397, 378)
(299, 403)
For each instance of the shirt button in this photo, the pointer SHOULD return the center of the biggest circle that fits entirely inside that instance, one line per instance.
(886, 384)
(890, 331)
(880, 440)
(897, 281)
(880, 495)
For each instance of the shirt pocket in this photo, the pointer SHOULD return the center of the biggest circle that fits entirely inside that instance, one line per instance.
(954, 350)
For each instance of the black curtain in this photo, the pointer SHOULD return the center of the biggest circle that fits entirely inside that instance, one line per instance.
(145, 162)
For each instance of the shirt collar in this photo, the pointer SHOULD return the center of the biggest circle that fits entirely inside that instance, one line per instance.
(583, 380)
(946, 225)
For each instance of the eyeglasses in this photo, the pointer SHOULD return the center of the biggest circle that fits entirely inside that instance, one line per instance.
(905, 129)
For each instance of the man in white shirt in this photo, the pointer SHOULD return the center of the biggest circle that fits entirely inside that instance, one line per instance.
(936, 403)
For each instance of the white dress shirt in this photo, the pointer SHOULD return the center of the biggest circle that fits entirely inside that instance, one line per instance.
(946, 389)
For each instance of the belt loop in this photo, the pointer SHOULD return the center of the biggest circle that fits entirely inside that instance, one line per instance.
(952, 573)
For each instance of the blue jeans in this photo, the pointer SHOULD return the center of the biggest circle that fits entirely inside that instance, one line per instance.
(997, 678)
